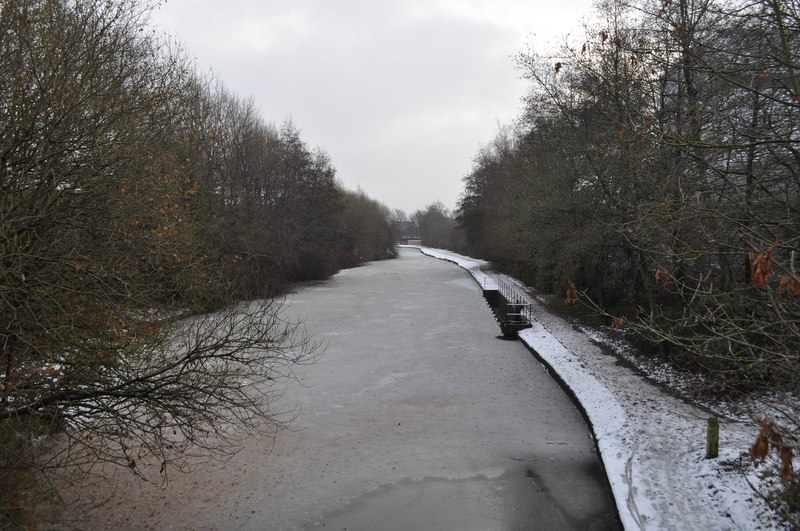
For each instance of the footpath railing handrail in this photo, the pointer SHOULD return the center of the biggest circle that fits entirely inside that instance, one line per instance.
(514, 296)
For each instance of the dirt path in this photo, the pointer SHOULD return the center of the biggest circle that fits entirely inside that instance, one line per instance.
(417, 417)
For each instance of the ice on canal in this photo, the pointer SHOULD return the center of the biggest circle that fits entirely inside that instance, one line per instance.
(416, 417)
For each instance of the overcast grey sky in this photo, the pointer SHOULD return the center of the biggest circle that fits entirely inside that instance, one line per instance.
(400, 93)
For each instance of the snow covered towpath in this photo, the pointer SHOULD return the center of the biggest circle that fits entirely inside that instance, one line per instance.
(652, 444)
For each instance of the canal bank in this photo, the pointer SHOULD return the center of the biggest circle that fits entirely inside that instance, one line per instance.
(652, 443)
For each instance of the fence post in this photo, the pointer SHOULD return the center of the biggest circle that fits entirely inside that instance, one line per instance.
(712, 439)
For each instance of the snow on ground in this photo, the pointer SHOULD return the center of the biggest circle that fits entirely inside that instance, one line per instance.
(652, 444)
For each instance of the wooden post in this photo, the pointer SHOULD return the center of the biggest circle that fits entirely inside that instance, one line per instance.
(712, 439)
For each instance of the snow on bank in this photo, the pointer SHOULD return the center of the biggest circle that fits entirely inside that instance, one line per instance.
(652, 444)
(473, 265)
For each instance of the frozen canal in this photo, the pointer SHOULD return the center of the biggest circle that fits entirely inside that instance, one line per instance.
(417, 417)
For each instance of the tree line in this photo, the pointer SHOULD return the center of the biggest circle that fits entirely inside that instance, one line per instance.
(654, 175)
(434, 225)
(137, 192)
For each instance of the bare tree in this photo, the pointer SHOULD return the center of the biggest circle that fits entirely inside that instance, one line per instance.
(368, 232)
(436, 226)
(104, 204)
(656, 167)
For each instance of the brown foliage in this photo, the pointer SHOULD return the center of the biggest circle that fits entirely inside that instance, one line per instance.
(662, 276)
(572, 294)
(788, 283)
(763, 265)
(760, 448)
(768, 438)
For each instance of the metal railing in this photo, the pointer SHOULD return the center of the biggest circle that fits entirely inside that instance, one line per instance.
(518, 308)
